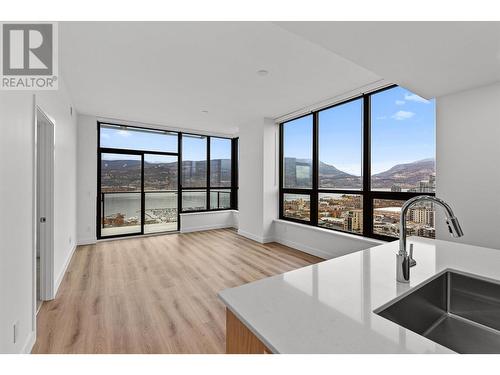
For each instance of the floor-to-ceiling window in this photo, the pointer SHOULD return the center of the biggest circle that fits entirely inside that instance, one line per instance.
(208, 180)
(351, 166)
(147, 177)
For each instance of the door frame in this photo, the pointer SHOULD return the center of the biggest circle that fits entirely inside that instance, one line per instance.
(47, 248)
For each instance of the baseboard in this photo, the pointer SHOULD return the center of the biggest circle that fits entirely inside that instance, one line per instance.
(30, 342)
(60, 277)
(205, 227)
(88, 241)
(254, 237)
(306, 249)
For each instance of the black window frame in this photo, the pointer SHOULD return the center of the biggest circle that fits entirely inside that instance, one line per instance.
(368, 195)
(103, 150)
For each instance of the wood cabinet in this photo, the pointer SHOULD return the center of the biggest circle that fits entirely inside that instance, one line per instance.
(239, 339)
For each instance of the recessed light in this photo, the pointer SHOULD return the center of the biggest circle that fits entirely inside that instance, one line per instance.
(262, 72)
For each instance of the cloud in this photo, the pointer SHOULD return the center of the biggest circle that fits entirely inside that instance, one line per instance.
(124, 133)
(402, 115)
(415, 98)
(400, 102)
(381, 117)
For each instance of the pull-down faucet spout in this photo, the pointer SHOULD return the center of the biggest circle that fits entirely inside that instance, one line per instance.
(403, 260)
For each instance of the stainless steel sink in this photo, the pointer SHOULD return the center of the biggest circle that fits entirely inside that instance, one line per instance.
(458, 311)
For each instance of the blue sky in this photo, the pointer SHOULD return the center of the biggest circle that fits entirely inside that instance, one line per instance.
(403, 130)
(194, 148)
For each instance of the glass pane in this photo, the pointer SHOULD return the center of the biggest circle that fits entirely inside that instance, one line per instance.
(160, 212)
(194, 161)
(297, 153)
(297, 206)
(194, 200)
(420, 218)
(220, 198)
(340, 146)
(341, 211)
(121, 213)
(403, 141)
(116, 136)
(220, 162)
(160, 172)
(120, 172)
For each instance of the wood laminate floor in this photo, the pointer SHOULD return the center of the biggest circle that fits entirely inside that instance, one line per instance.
(155, 294)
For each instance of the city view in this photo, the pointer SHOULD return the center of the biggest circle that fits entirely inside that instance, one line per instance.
(401, 143)
(345, 211)
(121, 191)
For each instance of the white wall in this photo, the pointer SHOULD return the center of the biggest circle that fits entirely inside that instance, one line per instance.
(16, 220)
(321, 242)
(196, 221)
(467, 163)
(258, 181)
(87, 179)
(17, 290)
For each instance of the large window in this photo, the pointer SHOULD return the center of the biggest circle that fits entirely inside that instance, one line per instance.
(208, 178)
(147, 177)
(350, 167)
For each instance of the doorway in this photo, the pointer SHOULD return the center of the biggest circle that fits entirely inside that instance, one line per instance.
(44, 208)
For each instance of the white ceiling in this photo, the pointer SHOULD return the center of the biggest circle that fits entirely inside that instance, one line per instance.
(169, 72)
(430, 58)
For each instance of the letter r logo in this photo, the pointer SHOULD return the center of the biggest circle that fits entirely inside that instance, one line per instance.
(27, 49)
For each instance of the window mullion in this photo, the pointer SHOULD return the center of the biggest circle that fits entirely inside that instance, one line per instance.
(315, 174)
(367, 199)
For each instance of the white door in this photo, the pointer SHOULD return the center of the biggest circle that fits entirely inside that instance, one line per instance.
(44, 207)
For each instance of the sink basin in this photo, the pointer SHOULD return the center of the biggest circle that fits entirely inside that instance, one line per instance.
(458, 311)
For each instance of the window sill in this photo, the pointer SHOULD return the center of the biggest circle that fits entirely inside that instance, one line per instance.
(332, 232)
(207, 212)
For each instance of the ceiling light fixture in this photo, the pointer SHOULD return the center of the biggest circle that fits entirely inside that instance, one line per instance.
(262, 72)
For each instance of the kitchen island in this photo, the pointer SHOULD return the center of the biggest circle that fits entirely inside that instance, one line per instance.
(329, 307)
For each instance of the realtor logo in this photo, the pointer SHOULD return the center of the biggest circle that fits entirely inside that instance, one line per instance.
(29, 56)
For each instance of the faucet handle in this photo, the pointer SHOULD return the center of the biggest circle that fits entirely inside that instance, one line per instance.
(413, 262)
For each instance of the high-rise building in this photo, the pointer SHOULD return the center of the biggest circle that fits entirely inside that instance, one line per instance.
(353, 221)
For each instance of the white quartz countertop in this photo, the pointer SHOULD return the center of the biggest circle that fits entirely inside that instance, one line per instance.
(328, 307)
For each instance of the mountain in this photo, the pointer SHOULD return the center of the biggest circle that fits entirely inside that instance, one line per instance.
(327, 170)
(406, 175)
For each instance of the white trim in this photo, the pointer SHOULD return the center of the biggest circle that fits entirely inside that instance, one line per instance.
(207, 212)
(29, 343)
(87, 241)
(155, 126)
(254, 237)
(206, 227)
(373, 86)
(60, 277)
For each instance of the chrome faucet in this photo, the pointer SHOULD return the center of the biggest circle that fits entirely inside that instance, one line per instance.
(405, 261)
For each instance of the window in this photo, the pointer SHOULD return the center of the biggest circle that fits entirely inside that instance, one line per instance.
(341, 211)
(209, 177)
(220, 162)
(340, 139)
(147, 177)
(194, 161)
(128, 138)
(350, 167)
(402, 142)
(297, 148)
(297, 206)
